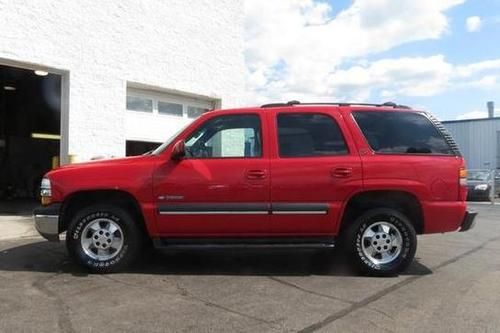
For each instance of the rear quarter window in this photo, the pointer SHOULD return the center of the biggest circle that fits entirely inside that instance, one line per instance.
(404, 132)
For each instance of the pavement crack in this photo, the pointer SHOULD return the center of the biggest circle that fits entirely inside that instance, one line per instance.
(63, 310)
(374, 324)
(375, 297)
(308, 291)
(381, 312)
(128, 284)
(185, 292)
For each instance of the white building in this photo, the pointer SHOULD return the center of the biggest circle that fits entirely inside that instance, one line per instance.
(170, 59)
(111, 76)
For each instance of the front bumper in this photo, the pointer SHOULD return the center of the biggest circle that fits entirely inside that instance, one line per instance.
(47, 221)
(469, 221)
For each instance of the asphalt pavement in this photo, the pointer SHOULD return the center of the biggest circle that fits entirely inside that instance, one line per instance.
(453, 285)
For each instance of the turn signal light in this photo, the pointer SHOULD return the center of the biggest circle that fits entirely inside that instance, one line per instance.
(45, 192)
(46, 201)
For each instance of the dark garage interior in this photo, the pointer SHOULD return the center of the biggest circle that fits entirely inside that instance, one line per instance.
(30, 118)
(134, 148)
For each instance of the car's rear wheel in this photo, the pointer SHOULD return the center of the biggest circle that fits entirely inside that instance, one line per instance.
(104, 238)
(381, 242)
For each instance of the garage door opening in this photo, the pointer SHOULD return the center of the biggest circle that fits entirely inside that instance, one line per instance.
(30, 133)
(135, 148)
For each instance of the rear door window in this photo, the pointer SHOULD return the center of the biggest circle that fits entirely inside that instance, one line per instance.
(307, 135)
(401, 133)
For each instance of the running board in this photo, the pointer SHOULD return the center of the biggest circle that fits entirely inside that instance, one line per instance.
(244, 243)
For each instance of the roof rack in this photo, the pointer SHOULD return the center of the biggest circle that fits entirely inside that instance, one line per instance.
(294, 102)
(275, 105)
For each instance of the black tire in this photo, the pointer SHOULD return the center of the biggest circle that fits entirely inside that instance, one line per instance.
(131, 234)
(353, 242)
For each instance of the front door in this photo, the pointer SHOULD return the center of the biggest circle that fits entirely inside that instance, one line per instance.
(314, 170)
(221, 187)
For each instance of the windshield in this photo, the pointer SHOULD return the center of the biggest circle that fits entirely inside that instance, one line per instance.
(164, 145)
(479, 175)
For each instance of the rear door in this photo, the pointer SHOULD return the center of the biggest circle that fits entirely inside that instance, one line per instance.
(314, 168)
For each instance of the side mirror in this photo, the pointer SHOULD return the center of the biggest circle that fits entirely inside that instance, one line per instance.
(179, 151)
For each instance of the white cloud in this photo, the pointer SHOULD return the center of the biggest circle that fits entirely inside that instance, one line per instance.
(486, 82)
(473, 23)
(412, 76)
(473, 115)
(416, 76)
(476, 114)
(478, 67)
(293, 47)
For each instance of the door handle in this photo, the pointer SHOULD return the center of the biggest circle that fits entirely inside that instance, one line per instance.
(341, 172)
(256, 174)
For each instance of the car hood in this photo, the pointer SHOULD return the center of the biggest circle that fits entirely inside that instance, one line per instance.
(105, 162)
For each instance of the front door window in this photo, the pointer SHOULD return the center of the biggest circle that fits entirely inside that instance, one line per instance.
(226, 136)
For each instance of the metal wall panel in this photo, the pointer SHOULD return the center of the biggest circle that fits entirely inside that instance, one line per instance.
(477, 140)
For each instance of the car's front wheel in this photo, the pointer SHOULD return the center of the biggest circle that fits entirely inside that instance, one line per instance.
(381, 242)
(104, 238)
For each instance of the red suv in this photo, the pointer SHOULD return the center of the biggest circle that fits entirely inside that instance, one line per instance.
(369, 177)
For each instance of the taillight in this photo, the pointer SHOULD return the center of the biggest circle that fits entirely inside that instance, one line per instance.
(462, 188)
(463, 176)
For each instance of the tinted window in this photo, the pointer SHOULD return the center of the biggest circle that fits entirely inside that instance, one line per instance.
(302, 135)
(401, 133)
(226, 136)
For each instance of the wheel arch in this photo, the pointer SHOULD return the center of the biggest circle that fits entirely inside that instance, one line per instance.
(404, 202)
(78, 200)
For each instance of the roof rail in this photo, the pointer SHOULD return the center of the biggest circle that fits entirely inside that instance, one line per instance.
(294, 102)
(274, 105)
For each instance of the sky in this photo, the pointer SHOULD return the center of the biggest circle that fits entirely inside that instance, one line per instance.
(442, 56)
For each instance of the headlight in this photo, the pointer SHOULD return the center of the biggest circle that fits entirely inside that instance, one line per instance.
(481, 187)
(45, 191)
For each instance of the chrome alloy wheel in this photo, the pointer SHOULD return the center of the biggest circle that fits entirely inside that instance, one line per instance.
(102, 239)
(381, 243)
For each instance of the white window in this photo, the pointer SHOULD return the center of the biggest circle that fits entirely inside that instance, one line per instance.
(170, 108)
(137, 103)
(168, 105)
(195, 112)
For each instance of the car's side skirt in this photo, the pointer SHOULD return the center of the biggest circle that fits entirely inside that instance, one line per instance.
(180, 243)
